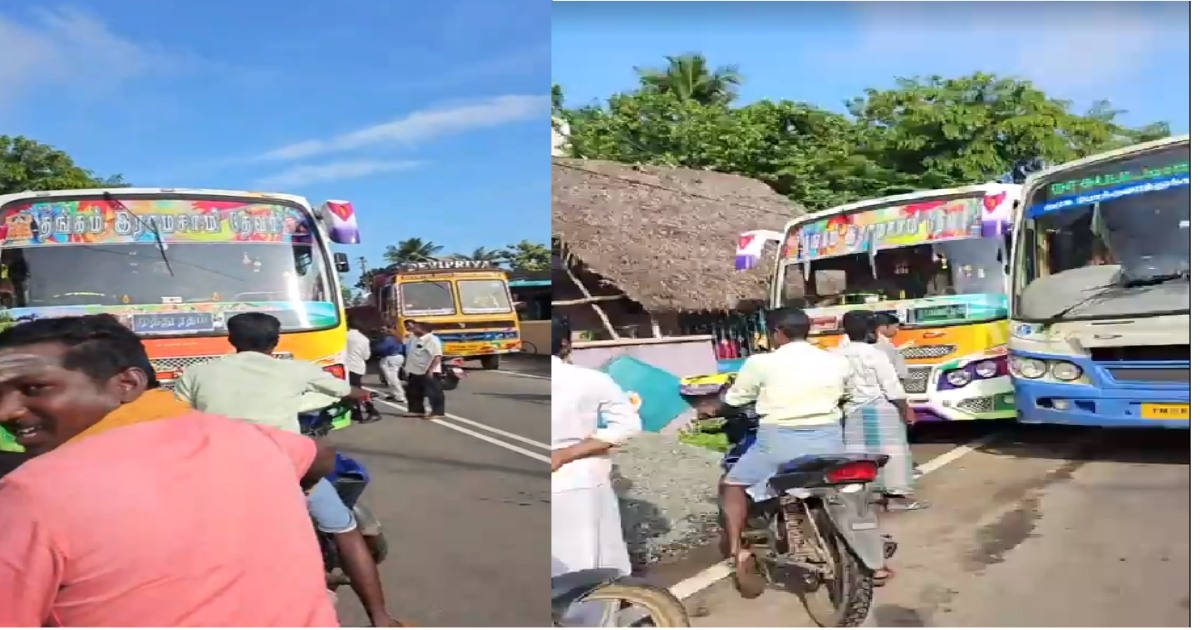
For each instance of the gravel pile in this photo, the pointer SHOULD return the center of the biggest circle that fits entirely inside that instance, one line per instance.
(668, 494)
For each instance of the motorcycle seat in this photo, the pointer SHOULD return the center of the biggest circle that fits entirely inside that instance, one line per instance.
(820, 463)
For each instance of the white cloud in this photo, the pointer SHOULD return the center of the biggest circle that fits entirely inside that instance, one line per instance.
(63, 45)
(424, 125)
(315, 173)
(1060, 46)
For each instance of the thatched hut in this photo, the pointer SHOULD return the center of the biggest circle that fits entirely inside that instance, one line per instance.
(650, 245)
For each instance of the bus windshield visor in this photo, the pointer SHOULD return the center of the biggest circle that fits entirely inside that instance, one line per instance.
(164, 267)
(480, 297)
(1132, 215)
(423, 298)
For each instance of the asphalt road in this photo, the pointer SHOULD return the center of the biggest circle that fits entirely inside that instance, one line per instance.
(1041, 527)
(465, 504)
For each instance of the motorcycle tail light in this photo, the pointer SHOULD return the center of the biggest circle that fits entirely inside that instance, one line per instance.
(857, 472)
(337, 369)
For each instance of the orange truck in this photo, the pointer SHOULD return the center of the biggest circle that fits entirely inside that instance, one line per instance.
(173, 264)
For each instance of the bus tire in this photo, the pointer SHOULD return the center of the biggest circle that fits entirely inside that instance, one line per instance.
(490, 362)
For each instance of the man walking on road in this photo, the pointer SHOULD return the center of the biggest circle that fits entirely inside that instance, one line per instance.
(585, 515)
(358, 351)
(391, 361)
(423, 365)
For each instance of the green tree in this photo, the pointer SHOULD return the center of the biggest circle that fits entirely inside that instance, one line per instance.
(29, 165)
(687, 77)
(527, 256)
(492, 256)
(921, 134)
(974, 128)
(411, 250)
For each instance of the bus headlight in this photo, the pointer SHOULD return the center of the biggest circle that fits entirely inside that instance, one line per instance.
(958, 378)
(987, 369)
(1029, 368)
(1064, 371)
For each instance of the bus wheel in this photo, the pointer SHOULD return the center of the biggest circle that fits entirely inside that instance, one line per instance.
(490, 362)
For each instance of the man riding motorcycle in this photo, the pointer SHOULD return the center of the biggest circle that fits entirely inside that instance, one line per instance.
(254, 386)
(797, 390)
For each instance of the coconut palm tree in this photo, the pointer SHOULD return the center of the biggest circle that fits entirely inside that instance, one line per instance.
(411, 250)
(688, 77)
(490, 256)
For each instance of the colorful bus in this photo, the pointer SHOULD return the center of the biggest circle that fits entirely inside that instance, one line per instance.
(1100, 286)
(467, 302)
(173, 264)
(934, 259)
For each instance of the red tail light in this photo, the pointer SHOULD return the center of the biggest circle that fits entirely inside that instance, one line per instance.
(337, 369)
(857, 472)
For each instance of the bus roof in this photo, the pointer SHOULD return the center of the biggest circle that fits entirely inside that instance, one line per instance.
(119, 192)
(1036, 178)
(867, 204)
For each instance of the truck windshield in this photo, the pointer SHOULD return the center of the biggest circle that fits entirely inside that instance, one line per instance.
(483, 296)
(964, 267)
(1133, 213)
(426, 297)
(101, 258)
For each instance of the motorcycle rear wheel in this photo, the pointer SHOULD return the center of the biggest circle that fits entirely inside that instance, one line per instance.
(845, 600)
(663, 610)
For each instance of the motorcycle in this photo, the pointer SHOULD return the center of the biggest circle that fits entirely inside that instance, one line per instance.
(818, 537)
(605, 598)
(452, 373)
(350, 479)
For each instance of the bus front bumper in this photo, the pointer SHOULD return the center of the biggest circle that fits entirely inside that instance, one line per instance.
(1039, 402)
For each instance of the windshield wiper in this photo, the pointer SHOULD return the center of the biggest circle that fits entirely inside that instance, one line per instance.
(1127, 283)
(152, 225)
(1157, 279)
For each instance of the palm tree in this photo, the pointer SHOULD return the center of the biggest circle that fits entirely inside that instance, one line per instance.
(490, 256)
(688, 77)
(411, 250)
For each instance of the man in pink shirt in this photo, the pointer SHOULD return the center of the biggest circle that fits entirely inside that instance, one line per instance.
(188, 521)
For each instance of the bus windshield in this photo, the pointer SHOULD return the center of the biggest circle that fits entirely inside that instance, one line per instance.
(963, 267)
(73, 257)
(1131, 215)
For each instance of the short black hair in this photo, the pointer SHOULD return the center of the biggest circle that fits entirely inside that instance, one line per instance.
(859, 325)
(886, 319)
(253, 332)
(793, 322)
(560, 333)
(98, 345)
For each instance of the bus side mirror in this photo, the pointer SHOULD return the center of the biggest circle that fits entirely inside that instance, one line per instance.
(341, 262)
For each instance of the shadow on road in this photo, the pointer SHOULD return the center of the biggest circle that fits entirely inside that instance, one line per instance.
(1133, 446)
(453, 463)
(538, 399)
(641, 522)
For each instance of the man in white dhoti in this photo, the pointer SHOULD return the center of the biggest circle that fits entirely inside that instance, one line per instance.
(589, 415)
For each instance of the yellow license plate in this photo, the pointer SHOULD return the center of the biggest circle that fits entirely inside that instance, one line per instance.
(1159, 411)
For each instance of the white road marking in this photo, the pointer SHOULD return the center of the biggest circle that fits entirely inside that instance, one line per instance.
(477, 425)
(957, 452)
(723, 569)
(521, 374)
(475, 434)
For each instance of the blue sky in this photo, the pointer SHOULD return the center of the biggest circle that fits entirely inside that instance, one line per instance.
(429, 116)
(1134, 54)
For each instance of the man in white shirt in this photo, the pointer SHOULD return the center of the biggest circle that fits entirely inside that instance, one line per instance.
(887, 326)
(797, 391)
(423, 367)
(358, 350)
(585, 515)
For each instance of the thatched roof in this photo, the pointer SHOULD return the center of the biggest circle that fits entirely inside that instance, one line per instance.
(665, 237)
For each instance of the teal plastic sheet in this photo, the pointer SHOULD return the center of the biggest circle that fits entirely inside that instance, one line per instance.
(657, 390)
